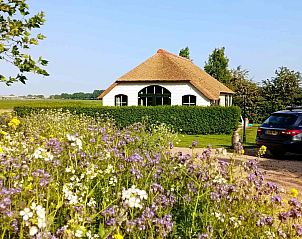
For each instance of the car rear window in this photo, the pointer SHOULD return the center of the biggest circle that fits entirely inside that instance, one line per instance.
(280, 120)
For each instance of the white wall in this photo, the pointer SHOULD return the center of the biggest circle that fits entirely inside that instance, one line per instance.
(222, 99)
(177, 91)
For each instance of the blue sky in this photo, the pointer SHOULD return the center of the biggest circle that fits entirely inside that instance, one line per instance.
(91, 43)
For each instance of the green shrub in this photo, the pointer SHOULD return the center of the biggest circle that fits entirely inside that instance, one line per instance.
(188, 120)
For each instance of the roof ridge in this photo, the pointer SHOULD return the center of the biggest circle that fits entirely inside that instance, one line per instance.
(162, 51)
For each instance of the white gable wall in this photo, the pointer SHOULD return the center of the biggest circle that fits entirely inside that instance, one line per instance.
(177, 91)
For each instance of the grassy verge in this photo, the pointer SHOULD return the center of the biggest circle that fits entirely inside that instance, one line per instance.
(218, 140)
(10, 104)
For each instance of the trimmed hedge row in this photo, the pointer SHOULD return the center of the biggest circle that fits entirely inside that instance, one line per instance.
(185, 119)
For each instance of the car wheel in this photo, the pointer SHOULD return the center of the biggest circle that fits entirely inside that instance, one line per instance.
(277, 153)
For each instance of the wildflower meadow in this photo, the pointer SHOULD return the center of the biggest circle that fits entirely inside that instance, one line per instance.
(74, 176)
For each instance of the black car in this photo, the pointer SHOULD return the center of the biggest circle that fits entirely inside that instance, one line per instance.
(282, 132)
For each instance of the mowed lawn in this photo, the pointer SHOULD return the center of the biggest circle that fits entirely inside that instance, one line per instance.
(6, 105)
(217, 141)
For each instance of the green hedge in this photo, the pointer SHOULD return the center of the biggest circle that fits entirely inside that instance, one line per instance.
(185, 119)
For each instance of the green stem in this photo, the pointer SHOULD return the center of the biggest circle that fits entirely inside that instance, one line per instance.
(3, 234)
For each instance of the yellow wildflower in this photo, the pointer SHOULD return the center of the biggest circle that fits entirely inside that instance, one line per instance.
(1, 150)
(294, 192)
(118, 236)
(242, 151)
(3, 132)
(14, 122)
(29, 187)
(262, 151)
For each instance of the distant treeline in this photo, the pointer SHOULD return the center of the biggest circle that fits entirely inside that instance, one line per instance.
(78, 95)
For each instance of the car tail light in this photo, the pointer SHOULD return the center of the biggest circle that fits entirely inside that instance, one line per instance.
(291, 132)
(259, 131)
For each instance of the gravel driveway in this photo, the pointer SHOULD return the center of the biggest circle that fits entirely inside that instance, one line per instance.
(286, 172)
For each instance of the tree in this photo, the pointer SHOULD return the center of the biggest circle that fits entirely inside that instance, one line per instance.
(78, 95)
(283, 89)
(16, 38)
(217, 66)
(185, 52)
(244, 87)
(96, 94)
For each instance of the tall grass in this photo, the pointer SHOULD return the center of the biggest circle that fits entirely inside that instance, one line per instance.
(70, 176)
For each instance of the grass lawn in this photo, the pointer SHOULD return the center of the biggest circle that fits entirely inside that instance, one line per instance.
(218, 140)
(6, 105)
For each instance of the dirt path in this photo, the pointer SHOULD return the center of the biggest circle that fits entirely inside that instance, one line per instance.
(286, 172)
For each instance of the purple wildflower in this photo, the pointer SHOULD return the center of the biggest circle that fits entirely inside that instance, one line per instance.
(298, 229)
(203, 236)
(194, 143)
(283, 216)
(109, 211)
(276, 199)
(110, 222)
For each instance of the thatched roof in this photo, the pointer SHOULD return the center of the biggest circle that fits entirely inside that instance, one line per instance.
(167, 67)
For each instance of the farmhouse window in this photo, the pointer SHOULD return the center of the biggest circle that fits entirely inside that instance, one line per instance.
(154, 95)
(189, 100)
(121, 100)
(228, 100)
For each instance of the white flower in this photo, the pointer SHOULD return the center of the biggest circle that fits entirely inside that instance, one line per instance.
(134, 202)
(109, 169)
(79, 143)
(91, 203)
(270, 234)
(33, 230)
(70, 137)
(219, 216)
(142, 194)
(48, 157)
(113, 181)
(78, 233)
(41, 153)
(26, 214)
(38, 154)
(74, 141)
(68, 170)
(73, 199)
(134, 196)
(219, 179)
(40, 212)
(41, 222)
(33, 206)
(90, 236)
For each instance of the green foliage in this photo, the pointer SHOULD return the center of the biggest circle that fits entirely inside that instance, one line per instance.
(188, 120)
(78, 95)
(244, 87)
(217, 66)
(185, 52)
(16, 38)
(281, 91)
